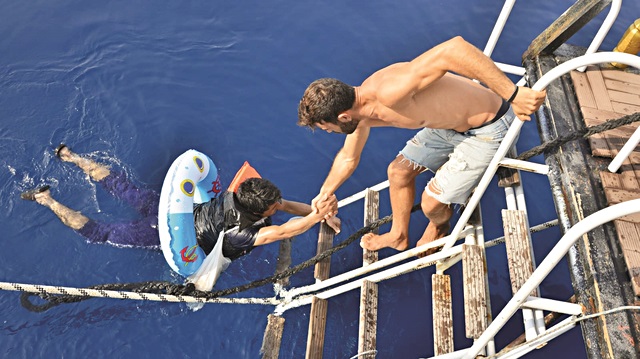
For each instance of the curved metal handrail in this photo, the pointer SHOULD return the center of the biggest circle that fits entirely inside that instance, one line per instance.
(550, 261)
(514, 130)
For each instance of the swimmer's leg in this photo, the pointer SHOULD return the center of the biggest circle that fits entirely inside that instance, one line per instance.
(95, 170)
(141, 233)
(145, 201)
(69, 217)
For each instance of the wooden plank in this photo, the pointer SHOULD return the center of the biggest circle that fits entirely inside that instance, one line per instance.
(636, 170)
(371, 214)
(583, 89)
(629, 238)
(600, 146)
(474, 271)
(610, 180)
(317, 325)
(368, 320)
(599, 114)
(622, 86)
(508, 177)
(565, 26)
(284, 260)
(629, 181)
(325, 241)
(594, 116)
(615, 196)
(369, 290)
(318, 315)
(624, 97)
(600, 91)
(272, 337)
(518, 244)
(442, 314)
(625, 108)
(621, 76)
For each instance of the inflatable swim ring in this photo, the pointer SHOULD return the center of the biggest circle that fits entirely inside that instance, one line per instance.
(192, 178)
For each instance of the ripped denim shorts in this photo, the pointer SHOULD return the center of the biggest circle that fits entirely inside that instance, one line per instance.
(458, 159)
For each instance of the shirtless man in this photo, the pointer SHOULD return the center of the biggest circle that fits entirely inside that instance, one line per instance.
(461, 126)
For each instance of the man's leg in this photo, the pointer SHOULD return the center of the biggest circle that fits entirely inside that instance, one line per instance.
(144, 200)
(95, 170)
(69, 217)
(402, 178)
(438, 214)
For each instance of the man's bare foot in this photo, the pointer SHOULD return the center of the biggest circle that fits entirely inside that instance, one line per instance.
(95, 170)
(64, 153)
(374, 242)
(431, 233)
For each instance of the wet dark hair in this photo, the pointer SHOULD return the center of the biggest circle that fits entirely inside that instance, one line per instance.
(258, 194)
(323, 101)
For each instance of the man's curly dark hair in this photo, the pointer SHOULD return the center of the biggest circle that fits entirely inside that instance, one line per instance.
(323, 101)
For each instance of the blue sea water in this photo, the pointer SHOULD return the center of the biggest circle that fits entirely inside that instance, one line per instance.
(137, 83)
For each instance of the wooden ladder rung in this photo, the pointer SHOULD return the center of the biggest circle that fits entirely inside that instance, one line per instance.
(442, 316)
(317, 325)
(475, 293)
(272, 337)
(368, 322)
(318, 316)
(518, 244)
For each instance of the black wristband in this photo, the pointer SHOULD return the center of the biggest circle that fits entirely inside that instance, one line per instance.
(513, 96)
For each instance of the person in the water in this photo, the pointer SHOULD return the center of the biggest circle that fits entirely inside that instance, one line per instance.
(245, 215)
(461, 125)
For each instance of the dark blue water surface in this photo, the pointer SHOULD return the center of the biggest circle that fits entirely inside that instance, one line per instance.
(138, 83)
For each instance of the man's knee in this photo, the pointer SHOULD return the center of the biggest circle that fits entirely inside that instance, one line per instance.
(402, 171)
(431, 206)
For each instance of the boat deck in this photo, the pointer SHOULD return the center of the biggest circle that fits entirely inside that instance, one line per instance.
(605, 263)
(606, 94)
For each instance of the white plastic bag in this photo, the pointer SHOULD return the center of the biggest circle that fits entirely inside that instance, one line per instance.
(206, 276)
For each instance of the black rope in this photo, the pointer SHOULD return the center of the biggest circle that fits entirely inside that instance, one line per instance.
(553, 145)
(156, 287)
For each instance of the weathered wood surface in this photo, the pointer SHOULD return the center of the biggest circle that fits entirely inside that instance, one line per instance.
(442, 314)
(371, 214)
(606, 94)
(474, 271)
(599, 273)
(272, 337)
(368, 322)
(317, 325)
(565, 26)
(325, 242)
(318, 315)
(518, 244)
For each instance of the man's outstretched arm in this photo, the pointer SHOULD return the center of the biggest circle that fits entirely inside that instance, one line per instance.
(344, 164)
(459, 56)
(295, 226)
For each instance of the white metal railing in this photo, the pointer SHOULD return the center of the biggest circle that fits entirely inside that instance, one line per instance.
(604, 29)
(548, 263)
(514, 130)
(449, 251)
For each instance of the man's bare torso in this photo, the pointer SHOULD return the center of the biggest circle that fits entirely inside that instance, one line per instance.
(451, 102)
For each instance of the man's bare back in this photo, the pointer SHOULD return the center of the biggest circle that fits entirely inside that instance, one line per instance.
(451, 102)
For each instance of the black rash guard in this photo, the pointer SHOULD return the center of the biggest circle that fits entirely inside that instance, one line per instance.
(225, 213)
